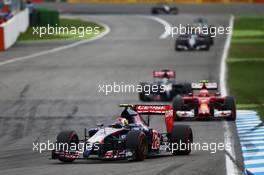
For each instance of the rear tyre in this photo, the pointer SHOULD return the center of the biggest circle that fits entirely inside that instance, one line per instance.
(207, 48)
(181, 137)
(230, 104)
(67, 137)
(177, 104)
(141, 95)
(177, 48)
(187, 88)
(154, 11)
(174, 11)
(136, 141)
(212, 41)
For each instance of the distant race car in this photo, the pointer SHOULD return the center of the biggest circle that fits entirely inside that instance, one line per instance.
(204, 104)
(191, 41)
(165, 85)
(203, 23)
(129, 137)
(164, 9)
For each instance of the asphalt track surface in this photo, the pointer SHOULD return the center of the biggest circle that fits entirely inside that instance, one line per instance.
(43, 95)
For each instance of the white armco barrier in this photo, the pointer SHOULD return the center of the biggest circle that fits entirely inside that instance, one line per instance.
(12, 28)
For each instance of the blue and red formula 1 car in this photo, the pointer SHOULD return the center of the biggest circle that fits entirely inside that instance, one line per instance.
(129, 137)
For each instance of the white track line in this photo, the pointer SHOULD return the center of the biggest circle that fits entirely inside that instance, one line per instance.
(223, 86)
(248, 162)
(248, 124)
(231, 168)
(107, 30)
(252, 139)
(250, 129)
(252, 147)
(256, 170)
(167, 26)
(251, 134)
(255, 154)
(248, 121)
(247, 112)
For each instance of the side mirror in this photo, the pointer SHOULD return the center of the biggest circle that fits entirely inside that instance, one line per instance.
(218, 93)
(190, 94)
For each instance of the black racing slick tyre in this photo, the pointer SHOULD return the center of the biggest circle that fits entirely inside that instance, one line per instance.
(181, 140)
(187, 88)
(67, 137)
(177, 104)
(136, 141)
(212, 41)
(230, 104)
(142, 95)
(174, 11)
(207, 48)
(177, 48)
(154, 11)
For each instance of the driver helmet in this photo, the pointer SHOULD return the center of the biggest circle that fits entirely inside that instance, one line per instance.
(165, 80)
(204, 93)
(166, 7)
(122, 121)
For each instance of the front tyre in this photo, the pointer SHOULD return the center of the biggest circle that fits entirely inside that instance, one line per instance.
(230, 104)
(181, 140)
(136, 141)
(207, 48)
(67, 138)
(187, 88)
(177, 104)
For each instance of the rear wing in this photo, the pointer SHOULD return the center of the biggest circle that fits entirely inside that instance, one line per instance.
(152, 109)
(148, 109)
(164, 74)
(165, 110)
(209, 86)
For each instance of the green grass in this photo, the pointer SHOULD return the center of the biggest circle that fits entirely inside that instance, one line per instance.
(249, 23)
(247, 50)
(246, 63)
(70, 24)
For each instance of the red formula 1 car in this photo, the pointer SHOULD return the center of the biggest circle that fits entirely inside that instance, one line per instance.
(129, 137)
(205, 104)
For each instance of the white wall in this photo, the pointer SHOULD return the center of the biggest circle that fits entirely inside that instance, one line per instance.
(13, 27)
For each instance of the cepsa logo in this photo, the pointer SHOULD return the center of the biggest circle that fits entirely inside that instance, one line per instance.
(153, 109)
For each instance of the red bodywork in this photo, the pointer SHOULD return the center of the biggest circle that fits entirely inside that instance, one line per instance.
(164, 74)
(204, 103)
(165, 110)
